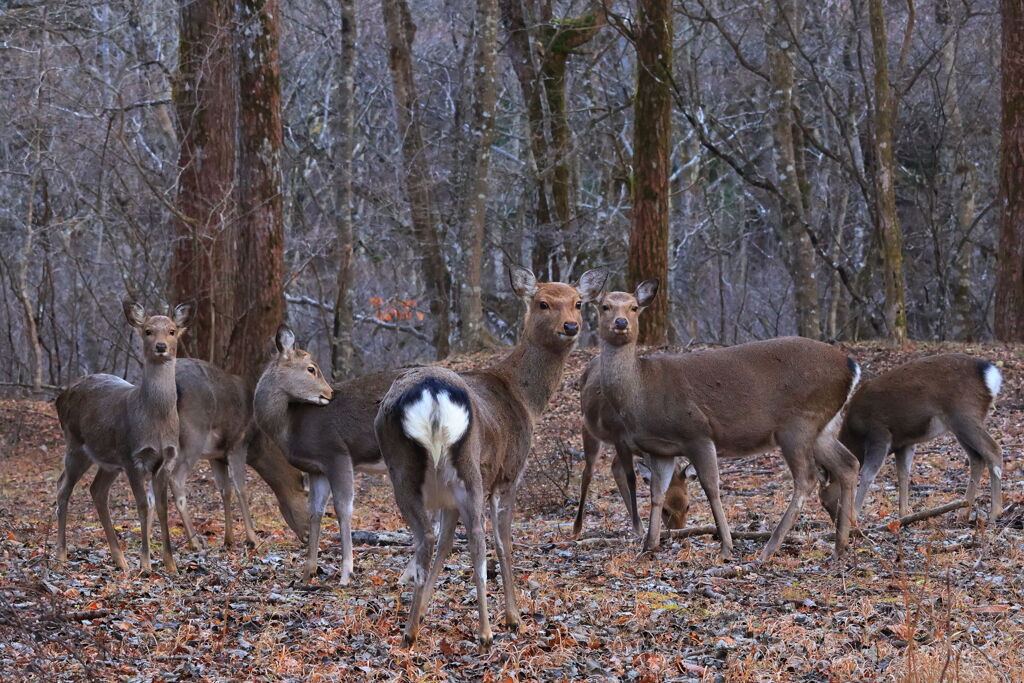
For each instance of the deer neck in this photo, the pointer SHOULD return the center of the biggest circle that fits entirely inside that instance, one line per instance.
(619, 372)
(158, 394)
(536, 372)
(270, 408)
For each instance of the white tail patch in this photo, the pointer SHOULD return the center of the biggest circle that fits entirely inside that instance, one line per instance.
(856, 379)
(993, 381)
(435, 422)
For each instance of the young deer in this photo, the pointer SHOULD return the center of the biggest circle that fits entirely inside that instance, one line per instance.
(329, 440)
(917, 402)
(215, 413)
(728, 403)
(452, 440)
(122, 427)
(602, 424)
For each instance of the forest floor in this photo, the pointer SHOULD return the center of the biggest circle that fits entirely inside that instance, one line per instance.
(940, 600)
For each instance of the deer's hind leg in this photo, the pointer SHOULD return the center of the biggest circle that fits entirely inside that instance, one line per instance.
(984, 453)
(237, 457)
(100, 491)
(76, 464)
(797, 444)
(502, 508)
(625, 480)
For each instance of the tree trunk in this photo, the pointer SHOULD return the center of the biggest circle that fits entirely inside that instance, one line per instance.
(401, 32)
(798, 250)
(1009, 304)
(259, 294)
(652, 144)
(203, 268)
(474, 333)
(887, 221)
(344, 134)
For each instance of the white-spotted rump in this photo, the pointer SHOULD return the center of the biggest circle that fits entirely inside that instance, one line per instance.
(435, 422)
(993, 381)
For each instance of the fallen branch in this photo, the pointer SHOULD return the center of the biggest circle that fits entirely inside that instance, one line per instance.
(711, 530)
(919, 516)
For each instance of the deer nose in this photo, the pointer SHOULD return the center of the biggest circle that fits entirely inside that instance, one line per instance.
(571, 328)
(621, 323)
(161, 347)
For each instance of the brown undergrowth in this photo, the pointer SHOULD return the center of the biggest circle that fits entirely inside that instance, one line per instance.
(939, 601)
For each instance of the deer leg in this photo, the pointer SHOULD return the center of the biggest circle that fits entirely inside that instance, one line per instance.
(180, 492)
(625, 480)
(837, 492)
(237, 456)
(876, 447)
(76, 464)
(223, 479)
(159, 487)
(904, 463)
(984, 452)
(501, 519)
(591, 449)
(800, 458)
(471, 506)
(704, 458)
(319, 490)
(137, 480)
(100, 492)
(443, 548)
(662, 468)
(343, 488)
(416, 516)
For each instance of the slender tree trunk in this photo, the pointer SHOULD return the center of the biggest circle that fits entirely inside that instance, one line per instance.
(259, 295)
(652, 144)
(485, 93)
(890, 237)
(344, 125)
(798, 250)
(205, 99)
(401, 32)
(1009, 305)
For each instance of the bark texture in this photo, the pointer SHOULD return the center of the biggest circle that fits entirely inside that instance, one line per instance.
(401, 32)
(887, 221)
(206, 103)
(1009, 304)
(652, 140)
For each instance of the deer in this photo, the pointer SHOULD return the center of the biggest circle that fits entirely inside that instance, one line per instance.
(451, 441)
(730, 402)
(917, 402)
(601, 424)
(121, 427)
(215, 414)
(328, 439)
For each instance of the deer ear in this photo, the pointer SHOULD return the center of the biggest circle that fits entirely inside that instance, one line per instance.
(134, 312)
(591, 284)
(285, 340)
(646, 291)
(524, 282)
(183, 314)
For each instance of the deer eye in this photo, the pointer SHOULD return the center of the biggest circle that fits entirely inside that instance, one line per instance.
(544, 305)
(579, 305)
(311, 370)
(149, 333)
(174, 332)
(605, 307)
(635, 309)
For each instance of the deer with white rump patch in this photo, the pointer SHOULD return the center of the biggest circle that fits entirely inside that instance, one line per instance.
(453, 440)
(730, 402)
(328, 439)
(917, 402)
(122, 427)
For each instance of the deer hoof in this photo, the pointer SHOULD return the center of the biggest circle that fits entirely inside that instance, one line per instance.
(513, 623)
(485, 643)
(408, 640)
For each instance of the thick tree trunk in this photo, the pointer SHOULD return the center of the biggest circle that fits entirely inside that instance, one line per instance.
(344, 127)
(887, 221)
(798, 250)
(401, 32)
(474, 333)
(259, 293)
(203, 268)
(1009, 305)
(652, 143)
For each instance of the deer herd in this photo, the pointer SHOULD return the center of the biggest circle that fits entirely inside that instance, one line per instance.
(455, 444)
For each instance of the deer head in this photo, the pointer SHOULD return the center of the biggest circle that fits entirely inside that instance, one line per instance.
(554, 309)
(619, 313)
(296, 372)
(159, 333)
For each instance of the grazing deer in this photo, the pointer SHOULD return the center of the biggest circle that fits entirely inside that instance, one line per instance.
(215, 414)
(329, 440)
(729, 402)
(452, 440)
(917, 402)
(601, 424)
(123, 427)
